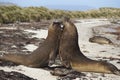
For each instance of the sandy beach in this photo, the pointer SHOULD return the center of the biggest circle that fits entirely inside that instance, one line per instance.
(91, 50)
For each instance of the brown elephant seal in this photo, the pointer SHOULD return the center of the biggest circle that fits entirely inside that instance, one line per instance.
(46, 52)
(100, 40)
(71, 55)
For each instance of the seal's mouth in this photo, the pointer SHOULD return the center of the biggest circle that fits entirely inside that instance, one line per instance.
(62, 26)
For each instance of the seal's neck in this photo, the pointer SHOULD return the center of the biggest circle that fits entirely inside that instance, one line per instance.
(52, 35)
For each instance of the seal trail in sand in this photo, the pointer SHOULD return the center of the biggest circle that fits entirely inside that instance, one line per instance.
(46, 52)
(71, 55)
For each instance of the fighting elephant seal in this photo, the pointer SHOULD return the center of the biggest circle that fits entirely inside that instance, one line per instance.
(71, 55)
(46, 52)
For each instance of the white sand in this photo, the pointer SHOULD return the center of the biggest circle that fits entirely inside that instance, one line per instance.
(35, 73)
(92, 50)
(31, 47)
(39, 33)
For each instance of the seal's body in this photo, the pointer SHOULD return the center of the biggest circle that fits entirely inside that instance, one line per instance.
(100, 40)
(71, 56)
(46, 52)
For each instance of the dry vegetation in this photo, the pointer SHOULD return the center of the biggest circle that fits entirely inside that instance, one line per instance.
(11, 14)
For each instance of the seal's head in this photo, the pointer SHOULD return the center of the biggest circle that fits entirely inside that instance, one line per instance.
(54, 28)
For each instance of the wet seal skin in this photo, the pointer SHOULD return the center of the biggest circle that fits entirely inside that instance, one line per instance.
(45, 54)
(72, 57)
